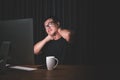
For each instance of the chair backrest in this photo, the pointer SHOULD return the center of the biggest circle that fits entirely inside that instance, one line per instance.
(4, 50)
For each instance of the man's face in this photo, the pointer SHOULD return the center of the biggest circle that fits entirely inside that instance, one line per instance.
(50, 27)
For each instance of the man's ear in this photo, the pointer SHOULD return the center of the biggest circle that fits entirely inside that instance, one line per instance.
(58, 23)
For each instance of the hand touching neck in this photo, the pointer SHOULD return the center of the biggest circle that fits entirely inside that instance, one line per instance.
(56, 36)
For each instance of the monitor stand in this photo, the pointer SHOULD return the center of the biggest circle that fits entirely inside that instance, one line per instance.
(4, 50)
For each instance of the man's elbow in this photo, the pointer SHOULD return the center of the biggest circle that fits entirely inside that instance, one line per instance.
(36, 51)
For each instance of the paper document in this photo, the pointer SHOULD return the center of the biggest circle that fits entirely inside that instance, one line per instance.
(23, 68)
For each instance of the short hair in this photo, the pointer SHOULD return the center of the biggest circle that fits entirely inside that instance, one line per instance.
(55, 19)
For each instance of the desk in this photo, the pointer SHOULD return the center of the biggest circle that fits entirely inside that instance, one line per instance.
(62, 72)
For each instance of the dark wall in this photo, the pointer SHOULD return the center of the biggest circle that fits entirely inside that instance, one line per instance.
(78, 15)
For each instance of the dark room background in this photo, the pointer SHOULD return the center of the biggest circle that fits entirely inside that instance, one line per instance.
(78, 15)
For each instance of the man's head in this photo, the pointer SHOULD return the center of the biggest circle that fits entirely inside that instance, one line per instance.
(51, 25)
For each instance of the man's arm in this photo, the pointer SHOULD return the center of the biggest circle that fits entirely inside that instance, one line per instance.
(38, 46)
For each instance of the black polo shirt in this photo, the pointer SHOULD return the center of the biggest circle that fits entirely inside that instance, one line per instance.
(58, 48)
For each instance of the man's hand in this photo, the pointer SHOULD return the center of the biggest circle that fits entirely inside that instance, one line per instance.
(65, 33)
(48, 38)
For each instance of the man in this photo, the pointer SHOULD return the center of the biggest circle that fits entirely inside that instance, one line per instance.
(56, 42)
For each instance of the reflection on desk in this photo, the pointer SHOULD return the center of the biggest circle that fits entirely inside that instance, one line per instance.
(62, 72)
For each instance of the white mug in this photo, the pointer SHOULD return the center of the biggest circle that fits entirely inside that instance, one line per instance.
(50, 62)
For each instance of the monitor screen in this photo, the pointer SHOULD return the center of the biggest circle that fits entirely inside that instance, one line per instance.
(19, 34)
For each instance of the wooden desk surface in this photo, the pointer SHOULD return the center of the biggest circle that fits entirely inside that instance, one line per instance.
(62, 72)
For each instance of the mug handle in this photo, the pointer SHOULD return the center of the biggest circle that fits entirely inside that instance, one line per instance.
(56, 63)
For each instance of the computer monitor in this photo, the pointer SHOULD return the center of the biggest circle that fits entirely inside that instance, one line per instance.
(19, 34)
